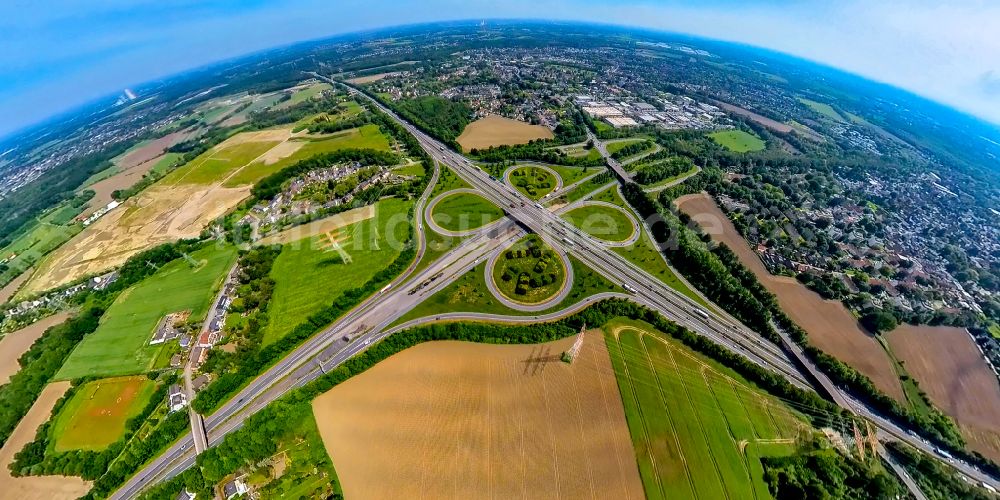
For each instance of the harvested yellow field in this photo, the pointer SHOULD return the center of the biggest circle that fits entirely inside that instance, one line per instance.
(463, 420)
(37, 487)
(497, 131)
(16, 343)
(178, 206)
(324, 225)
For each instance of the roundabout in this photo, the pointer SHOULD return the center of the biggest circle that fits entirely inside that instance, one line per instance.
(533, 181)
(611, 224)
(529, 275)
(460, 212)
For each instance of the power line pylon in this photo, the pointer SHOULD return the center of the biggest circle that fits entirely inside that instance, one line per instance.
(570, 355)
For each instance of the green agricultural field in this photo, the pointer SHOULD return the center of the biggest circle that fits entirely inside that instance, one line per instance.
(602, 222)
(414, 169)
(823, 109)
(690, 418)
(529, 271)
(120, 345)
(618, 145)
(303, 94)
(366, 137)
(162, 166)
(309, 274)
(995, 330)
(533, 182)
(465, 212)
(216, 164)
(738, 141)
(32, 245)
(469, 293)
(96, 414)
(99, 176)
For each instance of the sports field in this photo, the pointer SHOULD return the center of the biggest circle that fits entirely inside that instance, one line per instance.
(464, 212)
(310, 273)
(120, 345)
(529, 271)
(692, 420)
(464, 420)
(602, 222)
(96, 414)
(497, 131)
(738, 141)
(533, 182)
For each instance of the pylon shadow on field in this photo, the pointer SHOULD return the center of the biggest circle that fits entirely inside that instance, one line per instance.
(540, 356)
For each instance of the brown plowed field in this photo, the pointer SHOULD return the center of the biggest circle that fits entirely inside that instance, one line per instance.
(36, 487)
(950, 369)
(16, 343)
(498, 131)
(464, 420)
(831, 327)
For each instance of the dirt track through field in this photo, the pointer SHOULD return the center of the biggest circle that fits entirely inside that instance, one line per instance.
(16, 343)
(950, 369)
(324, 225)
(462, 420)
(831, 327)
(36, 487)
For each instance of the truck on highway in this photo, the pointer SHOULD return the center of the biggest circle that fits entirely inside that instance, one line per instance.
(567, 241)
(628, 288)
(699, 312)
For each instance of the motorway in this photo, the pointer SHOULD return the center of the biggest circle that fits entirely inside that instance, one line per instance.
(366, 323)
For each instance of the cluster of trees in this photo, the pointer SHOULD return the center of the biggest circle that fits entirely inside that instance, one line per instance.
(572, 128)
(39, 364)
(252, 298)
(632, 149)
(442, 118)
(651, 173)
(259, 359)
(332, 126)
(271, 185)
(37, 458)
(825, 473)
(539, 150)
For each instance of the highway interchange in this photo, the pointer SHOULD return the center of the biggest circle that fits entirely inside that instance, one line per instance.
(367, 322)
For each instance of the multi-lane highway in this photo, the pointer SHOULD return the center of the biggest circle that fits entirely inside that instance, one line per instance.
(367, 323)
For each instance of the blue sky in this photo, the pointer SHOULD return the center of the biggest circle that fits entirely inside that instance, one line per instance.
(56, 54)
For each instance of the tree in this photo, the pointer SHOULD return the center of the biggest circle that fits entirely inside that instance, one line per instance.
(878, 321)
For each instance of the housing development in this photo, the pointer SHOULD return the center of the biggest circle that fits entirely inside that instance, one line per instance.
(502, 259)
